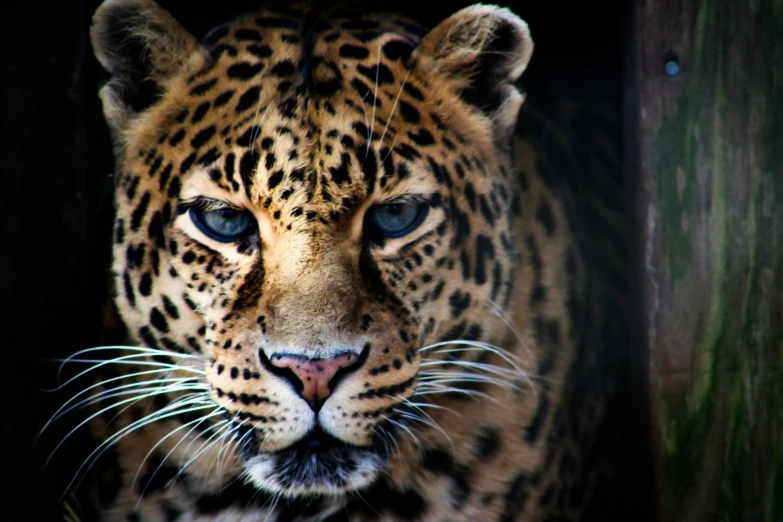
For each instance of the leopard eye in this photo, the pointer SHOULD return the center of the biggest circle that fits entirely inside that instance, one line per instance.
(225, 224)
(397, 219)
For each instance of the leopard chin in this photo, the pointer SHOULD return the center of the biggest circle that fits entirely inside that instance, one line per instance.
(318, 464)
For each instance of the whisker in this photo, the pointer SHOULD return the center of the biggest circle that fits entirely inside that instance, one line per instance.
(219, 427)
(258, 128)
(184, 384)
(123, 360)
(58, 413)
(497, 350)
(101, 412)
(403, 427)
(498, 310)
(391, 114)
(195, 423)
(374, 102)
(144, 421)
(437, 388)
(429, 421)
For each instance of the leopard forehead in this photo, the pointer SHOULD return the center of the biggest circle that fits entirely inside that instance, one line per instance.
(305, 117)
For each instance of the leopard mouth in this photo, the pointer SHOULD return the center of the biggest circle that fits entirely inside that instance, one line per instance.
(316, 464)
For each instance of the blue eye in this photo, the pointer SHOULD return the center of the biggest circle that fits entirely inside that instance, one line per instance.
(397, 219)
(224, 224)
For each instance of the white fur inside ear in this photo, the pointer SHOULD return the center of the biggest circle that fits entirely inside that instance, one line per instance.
(140, 44)
(479, 52)
(456, 45)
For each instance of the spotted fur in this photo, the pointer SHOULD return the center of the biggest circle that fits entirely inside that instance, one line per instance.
(465, 331)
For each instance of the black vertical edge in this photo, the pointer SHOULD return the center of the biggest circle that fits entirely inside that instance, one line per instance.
(46, 271)
(639, 471)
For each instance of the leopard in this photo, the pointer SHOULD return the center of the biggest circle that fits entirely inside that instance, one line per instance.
(348, 290)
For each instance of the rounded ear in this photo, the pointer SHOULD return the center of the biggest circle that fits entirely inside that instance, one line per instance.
(481, 51)
(141, 45)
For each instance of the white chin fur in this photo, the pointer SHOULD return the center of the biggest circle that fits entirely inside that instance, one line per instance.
(260, 472)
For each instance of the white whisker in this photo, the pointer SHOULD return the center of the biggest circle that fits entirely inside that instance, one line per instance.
(195, 423)
(374, 102)
(391, 114)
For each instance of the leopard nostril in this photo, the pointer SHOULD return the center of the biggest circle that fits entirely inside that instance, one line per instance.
(312, 378)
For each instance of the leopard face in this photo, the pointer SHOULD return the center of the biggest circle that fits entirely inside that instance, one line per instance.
(317, 215)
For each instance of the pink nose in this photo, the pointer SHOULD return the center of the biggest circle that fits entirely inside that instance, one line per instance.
(314, 375)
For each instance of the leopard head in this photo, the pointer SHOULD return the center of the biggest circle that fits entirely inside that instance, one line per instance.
(312, 206)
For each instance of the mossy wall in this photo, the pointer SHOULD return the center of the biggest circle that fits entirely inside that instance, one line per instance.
(710, 93)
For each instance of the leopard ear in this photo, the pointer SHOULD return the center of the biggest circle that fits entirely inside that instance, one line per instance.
(481, 50)
(142, 46)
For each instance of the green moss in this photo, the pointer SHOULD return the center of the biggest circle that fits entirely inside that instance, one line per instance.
(722, 438)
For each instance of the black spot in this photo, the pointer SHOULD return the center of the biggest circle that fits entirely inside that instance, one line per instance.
(408, 112)
(275, 179)
(170, 308)
(248, 99)
(484, 249)
(413, 91)
(356, 52)
(244, 70)
(283, 69)
(378, 74)
(486, 211)
(260, 51)
(177, 137)
(131, 191)
(200, 112)
(422, 138)
(130, 295)
(158, 320)
(487, 443)
(145, 284)
(203, 88)
(224, 98)
(135, 255)
(397, 50)
(165, 174)
(140, 211)
(370, 169)
(340, 173)
(155, 165)
(246, 166)
(363, 90)
(470, 195)
(200, 139)
(249, 136)
(459, 302)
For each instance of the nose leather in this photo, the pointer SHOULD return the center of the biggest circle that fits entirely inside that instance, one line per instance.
(314, 375)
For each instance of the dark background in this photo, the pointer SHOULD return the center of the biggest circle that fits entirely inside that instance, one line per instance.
(55, 199)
